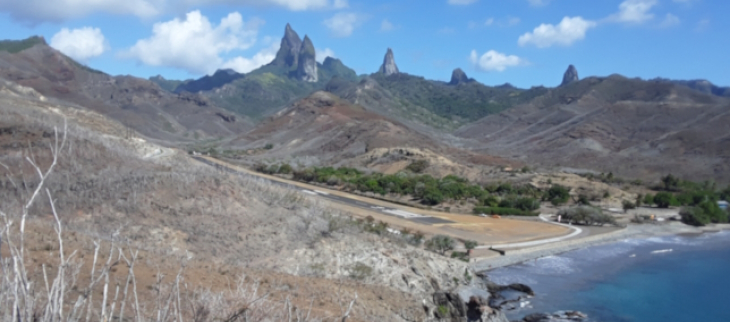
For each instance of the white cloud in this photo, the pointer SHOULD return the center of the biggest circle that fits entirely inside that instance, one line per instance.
(461, 2)
(494, 61)
(568, 31)
(293, 5)
(538, 3)
(340, 4)
(489, 22)
(244, 65)
(80, 44)
(670, 20)
(446, 31)
(386, 25)
(37, 11)
(194, 44)
(321, 54)
(634, 11)
(343, 24)
(513, 21)
(702, 25)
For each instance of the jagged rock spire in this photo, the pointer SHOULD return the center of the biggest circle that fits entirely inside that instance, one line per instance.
(389, 67)
(458, 76)
(307, 65)
(571, 75)
(288, 53)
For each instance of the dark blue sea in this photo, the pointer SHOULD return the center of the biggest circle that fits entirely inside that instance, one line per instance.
(637, 280)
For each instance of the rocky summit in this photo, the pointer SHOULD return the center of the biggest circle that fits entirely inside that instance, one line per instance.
(307, 66)
(571, 75)
(389, 67)
(458, 76)
(288, 53)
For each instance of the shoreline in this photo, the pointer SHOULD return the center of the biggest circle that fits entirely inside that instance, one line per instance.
(640, 231)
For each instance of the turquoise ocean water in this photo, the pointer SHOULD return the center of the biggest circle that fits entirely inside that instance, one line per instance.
(635, 280)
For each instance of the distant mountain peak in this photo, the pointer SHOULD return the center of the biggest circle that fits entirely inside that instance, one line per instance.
(571, 75)
(288, 53)
(458, 76)
(389, 67)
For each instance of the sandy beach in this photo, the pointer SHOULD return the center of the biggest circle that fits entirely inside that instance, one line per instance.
(487, 260)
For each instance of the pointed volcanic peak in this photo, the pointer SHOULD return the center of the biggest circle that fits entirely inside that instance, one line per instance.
(288, 53)
(458, 76)
(307, 65)
(335, 67)
(389, 67)
(571, 75)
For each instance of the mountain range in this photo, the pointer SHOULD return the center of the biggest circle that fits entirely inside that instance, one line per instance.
(326, 114)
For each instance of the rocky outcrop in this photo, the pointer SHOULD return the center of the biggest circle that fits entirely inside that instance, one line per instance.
(307, 65)
(389, 67)
(458, 76)
(571, 75)
(449, 306)
(288, 54)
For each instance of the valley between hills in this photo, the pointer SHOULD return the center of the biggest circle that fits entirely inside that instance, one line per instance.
(303, 191)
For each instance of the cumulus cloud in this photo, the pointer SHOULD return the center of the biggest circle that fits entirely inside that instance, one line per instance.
(342, 24)
(193, 43)
(538, 3)
(461, 2)
(386, 25)
(80, 44)
(244, 65)
(670, 20)
(568, 31)
(37, 11)
(494, 61)
(634, 11)
(321, 54)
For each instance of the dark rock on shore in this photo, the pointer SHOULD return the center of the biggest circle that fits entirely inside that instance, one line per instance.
(560, 316)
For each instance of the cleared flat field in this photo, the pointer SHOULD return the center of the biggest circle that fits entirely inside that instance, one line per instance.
(486, 231)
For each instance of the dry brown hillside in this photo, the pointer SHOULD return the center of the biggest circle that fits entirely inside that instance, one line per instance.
(109, 186)
(323, 129)
(631, 127)
(137, 103)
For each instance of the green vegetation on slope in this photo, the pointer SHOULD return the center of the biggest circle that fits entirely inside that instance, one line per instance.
(461, 103)
(500, 198)
(16, 46)
(270, 87)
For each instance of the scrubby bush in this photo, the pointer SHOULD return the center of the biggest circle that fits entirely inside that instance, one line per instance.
(503, 211)
(285, 169)
(703, 214)
(432, 196)
(440, 244)
(628, 205)
(664, 199)
(694, 216)
(586, 215)
(649, 199)
(557, 195)
(417, 166)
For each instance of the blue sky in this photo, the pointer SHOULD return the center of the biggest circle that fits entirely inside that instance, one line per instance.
(523, 42)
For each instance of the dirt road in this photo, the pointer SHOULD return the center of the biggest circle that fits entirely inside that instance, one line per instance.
(485, 231)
